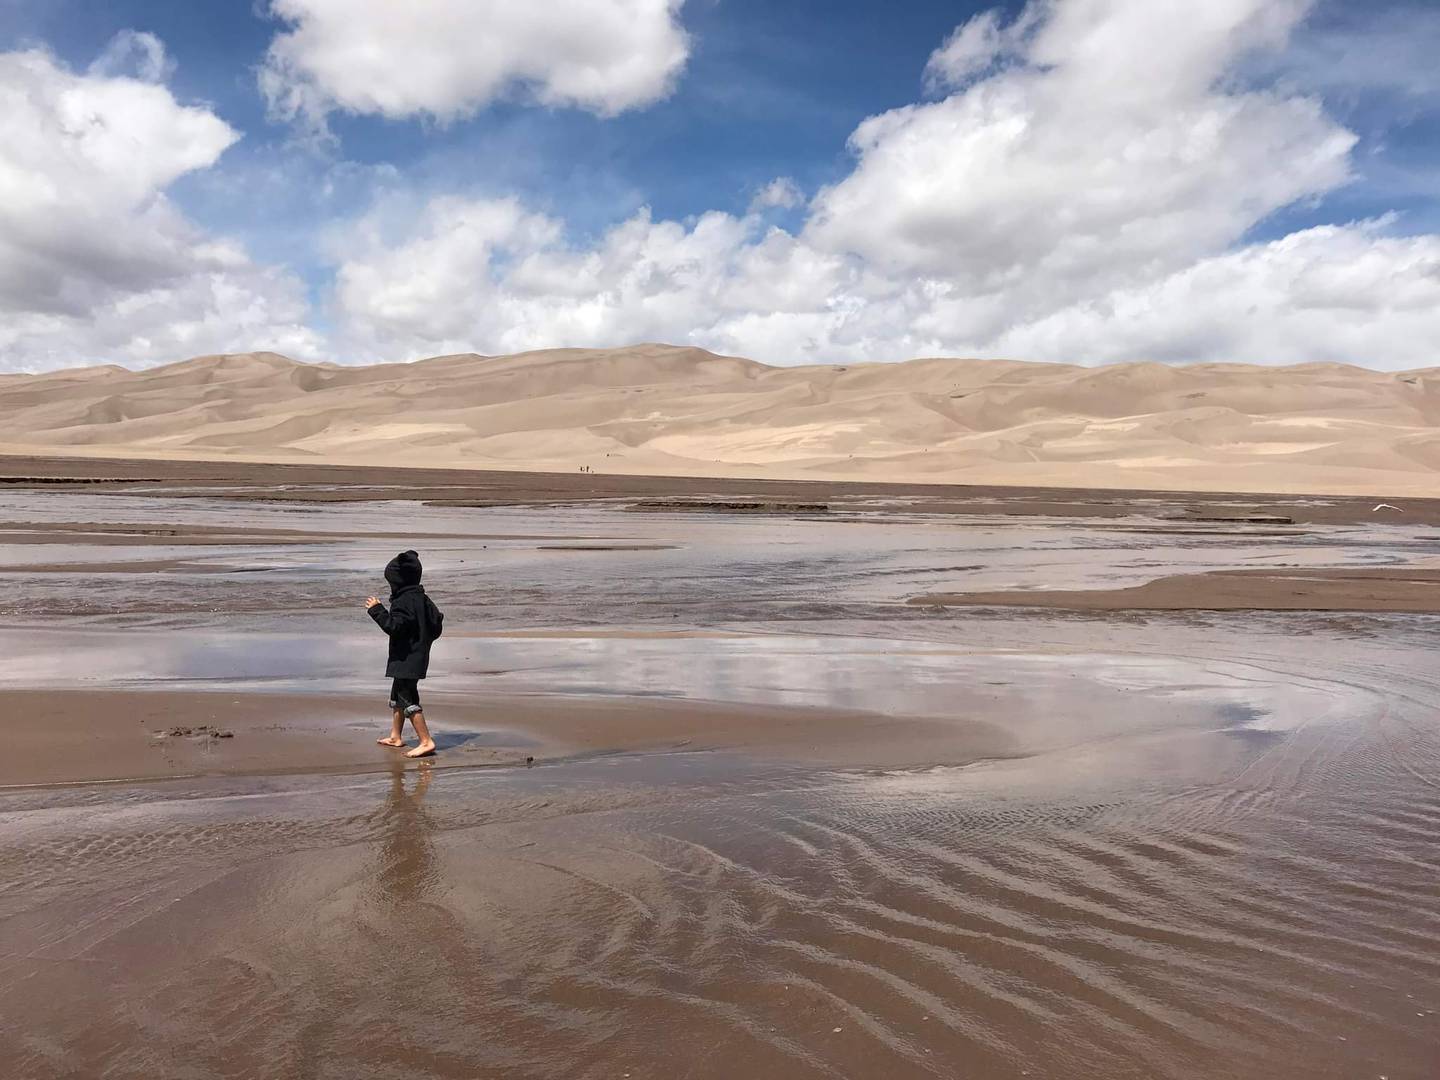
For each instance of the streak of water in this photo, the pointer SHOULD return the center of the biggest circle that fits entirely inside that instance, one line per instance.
(1213, 854)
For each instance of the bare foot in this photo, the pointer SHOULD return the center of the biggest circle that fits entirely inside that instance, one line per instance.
(390, 740)
(425, 749)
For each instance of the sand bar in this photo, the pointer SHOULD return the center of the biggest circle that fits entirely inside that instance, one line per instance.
(321, 483)
(1415, 589)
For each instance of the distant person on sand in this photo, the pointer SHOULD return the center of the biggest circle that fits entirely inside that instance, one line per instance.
(413, 623)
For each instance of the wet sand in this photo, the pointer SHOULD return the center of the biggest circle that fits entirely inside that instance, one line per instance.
(266, 482)
(788, 816)
(115, 736)
(1402, 588)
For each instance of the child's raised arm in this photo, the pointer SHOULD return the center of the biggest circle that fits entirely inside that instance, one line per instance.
(394, 623)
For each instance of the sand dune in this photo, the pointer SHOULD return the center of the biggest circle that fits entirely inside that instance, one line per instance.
(683, 411)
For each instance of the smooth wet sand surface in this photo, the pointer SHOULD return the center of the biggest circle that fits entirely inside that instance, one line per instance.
(781, 822)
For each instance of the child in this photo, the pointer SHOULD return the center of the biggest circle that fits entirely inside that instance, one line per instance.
(412, 623)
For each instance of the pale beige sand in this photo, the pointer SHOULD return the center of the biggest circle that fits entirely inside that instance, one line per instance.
(665, 410)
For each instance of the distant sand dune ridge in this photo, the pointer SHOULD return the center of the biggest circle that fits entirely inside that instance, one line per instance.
(684, 411)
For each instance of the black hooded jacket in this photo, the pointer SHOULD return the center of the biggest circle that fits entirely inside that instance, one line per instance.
(412, 622)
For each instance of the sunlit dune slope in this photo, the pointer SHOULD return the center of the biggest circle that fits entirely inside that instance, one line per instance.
(664, 409)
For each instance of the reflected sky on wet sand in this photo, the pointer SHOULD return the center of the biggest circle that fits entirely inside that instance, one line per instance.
(1211, 852)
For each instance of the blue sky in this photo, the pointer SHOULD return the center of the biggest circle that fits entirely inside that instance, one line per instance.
(769, 89)
(533, 215)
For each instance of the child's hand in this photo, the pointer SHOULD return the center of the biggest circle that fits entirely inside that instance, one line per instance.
(370, 602)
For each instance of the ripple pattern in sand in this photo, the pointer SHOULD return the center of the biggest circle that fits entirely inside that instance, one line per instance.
(1257, 900)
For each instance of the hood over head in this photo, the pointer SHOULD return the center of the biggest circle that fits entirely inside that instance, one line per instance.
(403, 571)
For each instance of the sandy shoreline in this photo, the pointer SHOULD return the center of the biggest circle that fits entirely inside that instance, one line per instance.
(110, 735)
(290, 482)
(1397, 589)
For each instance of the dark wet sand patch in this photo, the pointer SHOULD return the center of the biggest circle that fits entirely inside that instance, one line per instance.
(607, 547)
(36, 481)
(138, 566)
(725, 506)
(139, 535)
(1391, 588)
(601, 632)
(1236, 519)
(340, 483)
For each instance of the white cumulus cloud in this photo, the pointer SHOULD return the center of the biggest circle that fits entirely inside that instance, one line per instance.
(782, 193)
(1084, 183)
(135, 53)
(979, 47)
(447, 58)
(95, 263)
(1348, 293)
(1110, 147)
(1082, 191)
(490, 273)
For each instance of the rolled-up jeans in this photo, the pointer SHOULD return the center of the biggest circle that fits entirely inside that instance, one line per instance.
(405, 696)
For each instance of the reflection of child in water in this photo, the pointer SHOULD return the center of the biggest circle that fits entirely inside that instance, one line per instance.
(412, 623)
(407, 857)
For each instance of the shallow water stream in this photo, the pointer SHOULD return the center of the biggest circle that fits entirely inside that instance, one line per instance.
(1211, 852)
